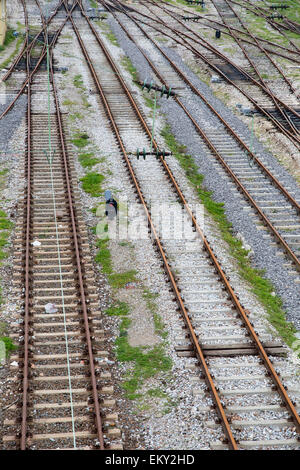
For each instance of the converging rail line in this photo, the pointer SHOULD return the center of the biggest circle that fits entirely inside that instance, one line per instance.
(147, 177)
(60, 367)
(64, 380)
(261, 98)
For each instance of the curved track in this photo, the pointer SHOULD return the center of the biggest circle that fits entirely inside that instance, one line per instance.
(260, 97)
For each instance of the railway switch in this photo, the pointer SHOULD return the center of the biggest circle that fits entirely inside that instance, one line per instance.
(275, 16)
(196, 2)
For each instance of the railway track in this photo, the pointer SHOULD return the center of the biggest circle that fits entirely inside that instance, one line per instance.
(271, 46)
(282, 115)
(66, 386)
(58, 371)
(285, 25)
(209, 298)
(279, 208)
(266, 66)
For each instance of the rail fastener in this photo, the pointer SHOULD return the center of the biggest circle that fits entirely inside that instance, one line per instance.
(157, 154)
(152, 86)
(281, 6)
(191, 18)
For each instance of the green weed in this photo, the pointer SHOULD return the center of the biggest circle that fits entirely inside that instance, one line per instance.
(118, 309)
(91, 184)
(119, 280)
(88, 160)
(126, 62)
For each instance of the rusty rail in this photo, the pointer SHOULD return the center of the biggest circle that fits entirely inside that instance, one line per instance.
(27, 277)
(187, 45)
(219, 407)
(277, 102)
(217, 154)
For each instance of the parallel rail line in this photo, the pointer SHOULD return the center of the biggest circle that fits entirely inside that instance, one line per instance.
(185, 43)
(243, 315)
(50, 193)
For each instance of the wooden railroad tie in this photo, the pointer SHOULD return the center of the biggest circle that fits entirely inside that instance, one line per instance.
(235, 349)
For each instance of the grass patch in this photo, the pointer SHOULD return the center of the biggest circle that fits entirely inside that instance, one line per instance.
(118, 309)
(261, 287)
(116, 280)
(112, 38)
(68, 103)
(146, 364)
(80, 140)
(9, 38)
(107, 32)
(88, 160)
(156, 392)
(5, 226)
(126, 62)
(91, 184)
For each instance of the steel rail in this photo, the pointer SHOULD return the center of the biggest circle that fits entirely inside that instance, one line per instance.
(27, 302)
(188, 46)
(198, 350)
(214, 50)
(25, 83)
(236, 180)
(29, 45)
(274, 376)
(244, 146)
(271, 43)
(261, 79)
